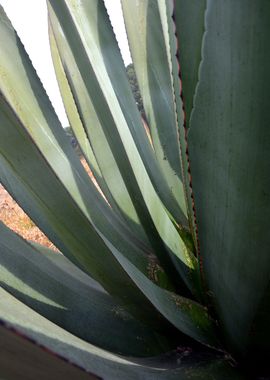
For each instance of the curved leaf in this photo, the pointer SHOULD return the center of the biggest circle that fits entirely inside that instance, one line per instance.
(94, 247)
(147, 44)
(21, 359)
(75, 121)
(56, 213)
(45, 282)
(188, 316)
(116, 193)
(105, 271)
(189, 23)
(19, 319)
(167, 16)
(103, 91)
(229, 141)
(75, 216)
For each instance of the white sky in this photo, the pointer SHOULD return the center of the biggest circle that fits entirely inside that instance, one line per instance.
(29, 18)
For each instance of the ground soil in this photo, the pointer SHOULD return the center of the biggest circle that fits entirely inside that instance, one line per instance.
(16, 219)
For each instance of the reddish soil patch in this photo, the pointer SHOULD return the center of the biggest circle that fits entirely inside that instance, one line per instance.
(16, 219)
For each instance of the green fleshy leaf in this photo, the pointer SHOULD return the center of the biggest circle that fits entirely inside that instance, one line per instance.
(148, 49)
(75, 121)
(189, 23)
(48, 283)
(167, 16)
(99, 90)
(72, 202)
(63, 201)
(229, 141)
(183, 365)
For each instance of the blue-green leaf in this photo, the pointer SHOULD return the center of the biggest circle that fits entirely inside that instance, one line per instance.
(48, 283)
(229, 141)
(15, 317)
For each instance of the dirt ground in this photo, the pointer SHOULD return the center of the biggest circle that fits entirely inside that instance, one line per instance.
(16, 219)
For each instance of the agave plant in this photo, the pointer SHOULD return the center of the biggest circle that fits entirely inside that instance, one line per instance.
(164, 267)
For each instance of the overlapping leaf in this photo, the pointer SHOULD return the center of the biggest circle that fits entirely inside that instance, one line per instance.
(41, 332)
(131, 241)
(65, 213)
(59, 195)
(97, 77)
(48, 283)
(229, 143)
(148, 49)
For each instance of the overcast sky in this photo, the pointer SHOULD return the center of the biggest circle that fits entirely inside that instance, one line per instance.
(29, 18)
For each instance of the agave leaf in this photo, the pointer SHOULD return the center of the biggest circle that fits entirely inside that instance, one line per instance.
(77, 67)
(40, 332)
(75, 121)
(117, 194)
(106, 161)
(168, 304)
(21, 90)
(69, 226)
(189, 23)
(21, 358)
(16, 179)
(166, 14)
(148, 49)
(81, 135)
(59, 210)
(188, 316)
(45, 281)
(87, 28)
(62, 264)
(79, 214)
(54, 210)
(229, 143)
(100, 58)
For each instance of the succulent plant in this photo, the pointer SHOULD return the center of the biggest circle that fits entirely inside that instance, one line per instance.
(164, 267)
